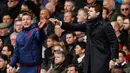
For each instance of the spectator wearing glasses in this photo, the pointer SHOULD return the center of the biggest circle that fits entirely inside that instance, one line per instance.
(125, 9)
(18, 25)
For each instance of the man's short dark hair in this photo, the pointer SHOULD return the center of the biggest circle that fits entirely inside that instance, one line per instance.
(73, 65)
(53, 37)
(73, 34)
(7, 14)
(97, 8)
(81, 44)
(124, 54)
(28, 14)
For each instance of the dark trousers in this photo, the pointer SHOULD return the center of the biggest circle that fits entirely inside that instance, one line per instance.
(30, 69)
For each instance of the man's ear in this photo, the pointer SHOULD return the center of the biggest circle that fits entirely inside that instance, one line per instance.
(97, 13)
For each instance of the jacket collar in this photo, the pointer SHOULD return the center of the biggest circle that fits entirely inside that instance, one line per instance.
(31, 27)
(94, 21)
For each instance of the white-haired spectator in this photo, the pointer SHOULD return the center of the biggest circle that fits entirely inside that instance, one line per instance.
(13, 38)
(110, 5)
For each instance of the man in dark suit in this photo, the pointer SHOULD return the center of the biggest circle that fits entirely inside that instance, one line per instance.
(102, 44)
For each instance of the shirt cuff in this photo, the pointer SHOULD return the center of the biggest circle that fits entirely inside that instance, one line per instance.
(60, 23)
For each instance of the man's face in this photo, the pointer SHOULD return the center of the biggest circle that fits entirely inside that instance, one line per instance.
(78, 50)
(49, 43)
(3, 32)
(68, 17)
(58, 58)
(121, 57)
(92, 13)
(70, 38)
(26, 21)
(44, 14)
(68, 6)
(18, 26)
(125, 9)
(90, 1)
(5, 51)
(58, 31)
(6, 19)
(71, 70)
(126, 24)
(81, 17)
(12, 3)
(2, 63)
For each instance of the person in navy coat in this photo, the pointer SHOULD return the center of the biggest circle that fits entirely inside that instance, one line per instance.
(28, 49)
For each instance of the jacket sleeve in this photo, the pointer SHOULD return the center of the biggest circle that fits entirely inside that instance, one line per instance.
(73, 26)
(112, 39)
(15, 56)
(40, 35)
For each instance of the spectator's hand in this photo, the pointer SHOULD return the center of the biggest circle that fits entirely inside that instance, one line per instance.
(111, 64)
(42, 23)
(17, 69)
(49, 70)
(55, 21)
(9, 69)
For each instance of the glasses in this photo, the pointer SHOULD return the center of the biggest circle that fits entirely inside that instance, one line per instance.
(124, 9)
(56, 50)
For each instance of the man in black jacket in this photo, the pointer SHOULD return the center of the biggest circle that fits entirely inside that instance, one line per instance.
(102, 44)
